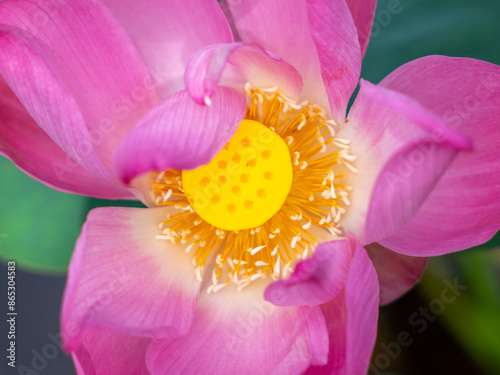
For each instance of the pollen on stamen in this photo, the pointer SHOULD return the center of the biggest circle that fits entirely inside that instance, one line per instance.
(317, 200)
(257, 249)
(308, 225)
(260, 263)
(274, 252)
(306, 251)
(277, 268)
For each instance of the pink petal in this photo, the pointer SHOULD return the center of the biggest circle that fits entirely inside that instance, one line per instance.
(106, 352)
(363, 13)
(282, 27)
(418, 114)
(310, 348)
(315, 280)
(179, 134)
(352, 321)
(336, 40)
(55, 55)
(233, 332)
(168, 32)
(305, 33)
(397, 273)
(402, 149)
(462, 210)
(122, 278)
(251, 63)
(46, 162)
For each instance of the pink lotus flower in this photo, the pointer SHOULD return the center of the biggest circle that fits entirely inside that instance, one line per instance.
(228, 271)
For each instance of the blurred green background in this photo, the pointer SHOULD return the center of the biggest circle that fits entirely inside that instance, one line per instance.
(39, 226)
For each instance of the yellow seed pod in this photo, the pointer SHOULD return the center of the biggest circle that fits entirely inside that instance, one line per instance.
(246, 183)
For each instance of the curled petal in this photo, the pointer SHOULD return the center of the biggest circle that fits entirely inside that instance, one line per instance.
(252, 64)
(315, 280)
(123, 278)
(402, 149)
(166, 33)
(179, 134)
(417, 114)
(232, 332)
(310, 36)
(352, 320)
(282, 27)
(462, 209)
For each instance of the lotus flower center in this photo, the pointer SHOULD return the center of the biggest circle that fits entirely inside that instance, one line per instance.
(246, 183)
(275, 191)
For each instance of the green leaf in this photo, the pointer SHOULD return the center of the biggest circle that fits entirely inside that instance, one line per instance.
(38, 225)
(473, 317)
(405, 30)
